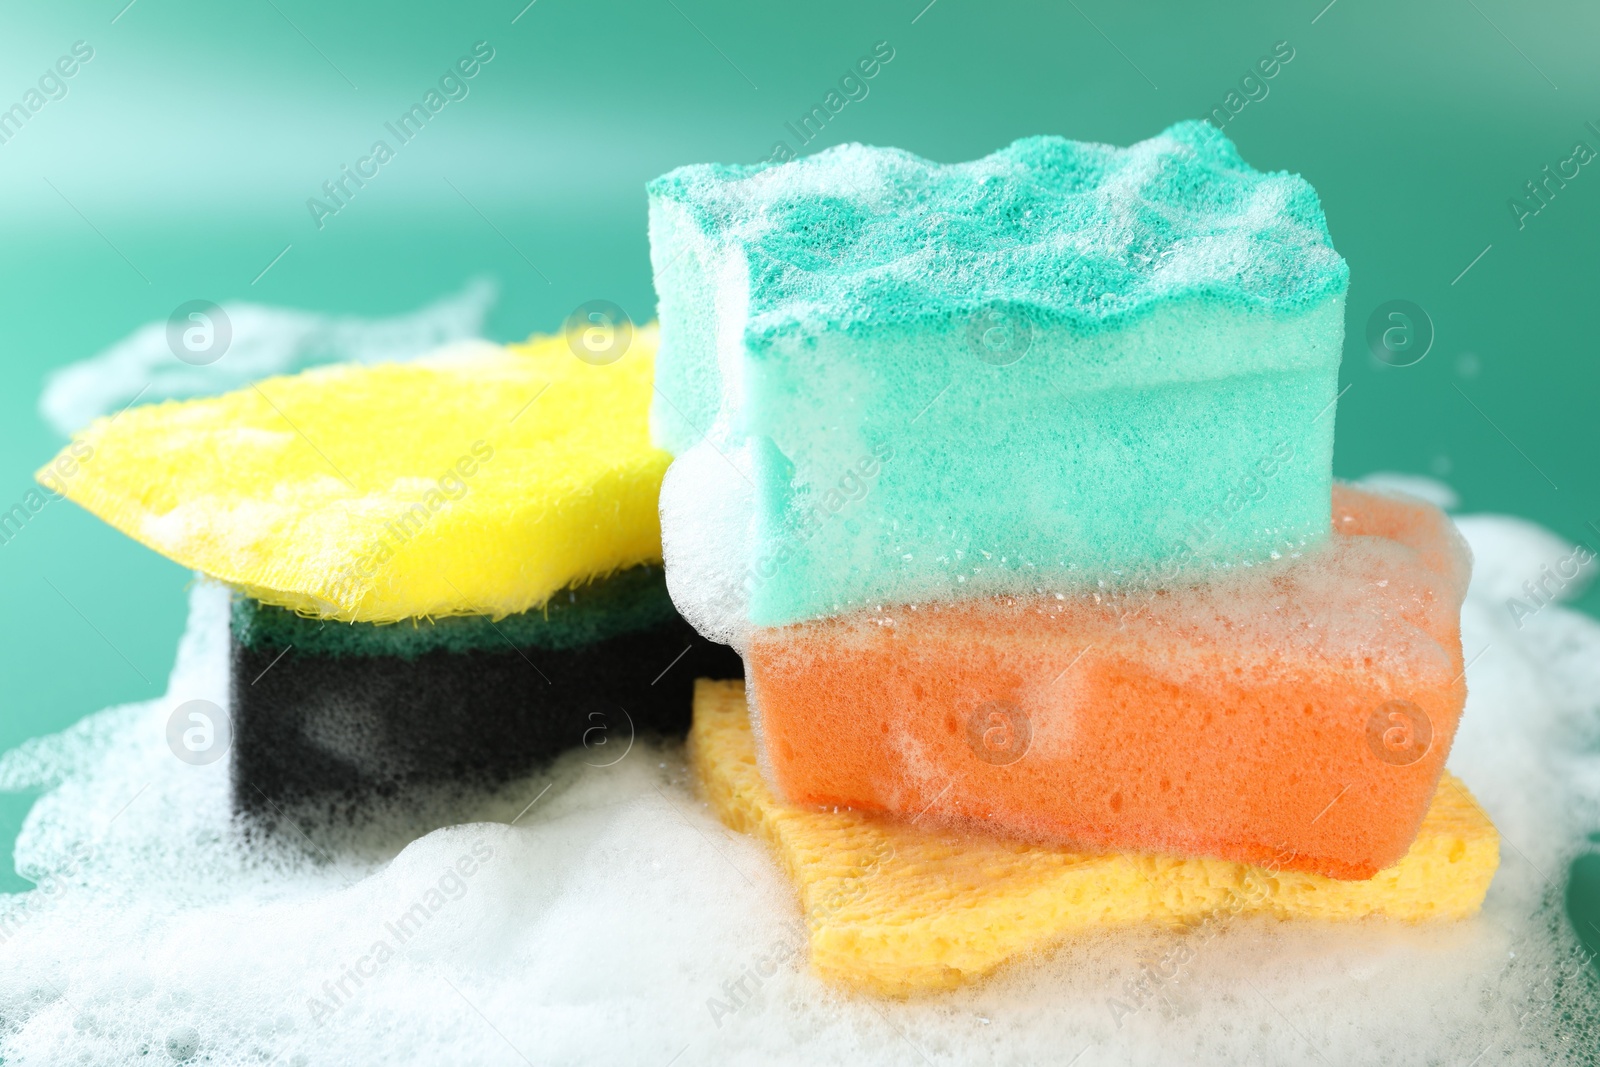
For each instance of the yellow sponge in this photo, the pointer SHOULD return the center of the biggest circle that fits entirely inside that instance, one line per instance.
(477, 481)
(897, 909)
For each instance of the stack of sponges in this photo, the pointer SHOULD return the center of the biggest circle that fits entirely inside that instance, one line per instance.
(896, 907)
(446, 570)
(1012, 481)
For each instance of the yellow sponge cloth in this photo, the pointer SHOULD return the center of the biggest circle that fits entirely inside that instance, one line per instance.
(897, 909)
(479, 480)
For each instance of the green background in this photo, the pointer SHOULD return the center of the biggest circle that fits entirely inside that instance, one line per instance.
(188, 147)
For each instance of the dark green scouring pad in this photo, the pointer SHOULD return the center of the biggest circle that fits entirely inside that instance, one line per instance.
(336, 715)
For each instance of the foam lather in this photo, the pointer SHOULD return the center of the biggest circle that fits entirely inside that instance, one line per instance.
(897, 908)
(482, 480)
(1299, 712)
(886, 380)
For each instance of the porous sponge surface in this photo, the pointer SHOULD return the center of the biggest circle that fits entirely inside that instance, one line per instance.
(1023, 477)
(1300, 712)
(1170, 325)
(897, 908)
(626, 602)
(480, 481)
(1082, 234)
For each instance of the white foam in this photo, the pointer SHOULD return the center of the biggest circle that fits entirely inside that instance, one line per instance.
(610, 922)
(265, 341)
(1519, 555)
(707, 511)
(1420, 486)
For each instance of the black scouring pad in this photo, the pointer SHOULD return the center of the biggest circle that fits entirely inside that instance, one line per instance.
(335, 715)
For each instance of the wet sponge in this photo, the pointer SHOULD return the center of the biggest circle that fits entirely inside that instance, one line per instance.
(330, 717)
(899, 380)
(626, 602)
(1299, 712)
(479, 481)
(897, 908)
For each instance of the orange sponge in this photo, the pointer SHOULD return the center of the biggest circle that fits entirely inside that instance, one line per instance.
(1296, 714)
(899, 909)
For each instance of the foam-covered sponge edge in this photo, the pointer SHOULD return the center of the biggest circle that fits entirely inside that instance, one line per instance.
(479, 481)
(896, 909)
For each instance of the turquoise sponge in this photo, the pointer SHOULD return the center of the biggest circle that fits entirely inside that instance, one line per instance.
(887, 380)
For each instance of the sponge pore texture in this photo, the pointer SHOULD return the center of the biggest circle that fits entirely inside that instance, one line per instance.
(1300, 711)
(626, 602)
(1057, 365)
(480, 481)
(899, 908)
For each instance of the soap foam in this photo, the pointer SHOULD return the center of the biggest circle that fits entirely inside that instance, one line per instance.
(1081, 233)
(711, 503)
(616, 921)
(266, 341)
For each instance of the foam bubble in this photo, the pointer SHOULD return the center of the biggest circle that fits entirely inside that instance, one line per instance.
(1075, 231)
(711, 504)
(1525, 562)
(265, 341)
(616, 921)
(1432, 490)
